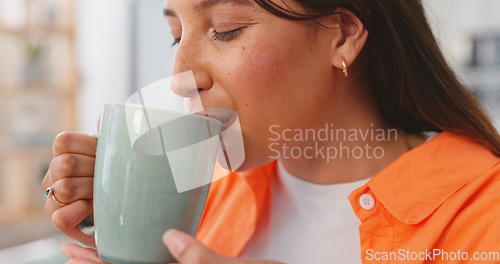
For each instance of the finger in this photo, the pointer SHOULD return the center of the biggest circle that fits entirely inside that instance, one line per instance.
(79, 253)
(68, 190)
(68, 165)
(46, 182)
(75, 165)
(72, 142)
(51, 206)
(67, 218)
(82, 261)
(187, 250)
(257, 261)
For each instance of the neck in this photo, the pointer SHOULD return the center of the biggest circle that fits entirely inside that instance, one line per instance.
(344, 155)
(355, 146)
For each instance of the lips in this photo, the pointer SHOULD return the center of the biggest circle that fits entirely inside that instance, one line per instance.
(224, 115)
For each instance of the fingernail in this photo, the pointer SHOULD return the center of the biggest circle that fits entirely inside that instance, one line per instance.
(66, 253)
(176, 241)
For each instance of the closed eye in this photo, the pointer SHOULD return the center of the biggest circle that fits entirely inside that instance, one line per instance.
(219, 36)
(228, 35)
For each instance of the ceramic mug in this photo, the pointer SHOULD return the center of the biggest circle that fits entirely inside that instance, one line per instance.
(143, 157)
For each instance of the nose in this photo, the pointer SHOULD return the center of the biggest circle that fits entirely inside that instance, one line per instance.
(189, 83)
(191, 70)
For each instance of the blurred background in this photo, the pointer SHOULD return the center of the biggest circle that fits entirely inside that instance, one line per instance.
(61, 60)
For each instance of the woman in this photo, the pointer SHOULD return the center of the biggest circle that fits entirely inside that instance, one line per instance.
(409, 146)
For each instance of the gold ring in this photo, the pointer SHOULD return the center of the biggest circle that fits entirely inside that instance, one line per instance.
(50, 193)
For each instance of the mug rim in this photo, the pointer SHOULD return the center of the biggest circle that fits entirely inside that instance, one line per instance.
(119, 104)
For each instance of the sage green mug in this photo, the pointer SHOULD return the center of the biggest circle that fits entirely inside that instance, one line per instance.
(146, 160)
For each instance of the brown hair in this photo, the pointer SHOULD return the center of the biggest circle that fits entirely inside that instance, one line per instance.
(401, 61)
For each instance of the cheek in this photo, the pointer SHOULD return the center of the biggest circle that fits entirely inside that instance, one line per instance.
(251, 84)
(258, 67)
(256, 85)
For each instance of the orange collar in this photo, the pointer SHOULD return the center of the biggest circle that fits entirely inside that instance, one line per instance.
(419, 181)
(233, 208)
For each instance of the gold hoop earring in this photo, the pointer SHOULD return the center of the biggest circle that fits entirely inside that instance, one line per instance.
(344, 70)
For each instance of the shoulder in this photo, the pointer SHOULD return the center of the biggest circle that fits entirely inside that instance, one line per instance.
(443, 194)
(474, 214)
(482, 196)
(479, 172)
(474, 208)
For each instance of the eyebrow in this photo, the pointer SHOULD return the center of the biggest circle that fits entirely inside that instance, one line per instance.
(206, 4)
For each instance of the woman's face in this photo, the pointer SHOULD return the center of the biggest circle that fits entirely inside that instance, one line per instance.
(270, 70)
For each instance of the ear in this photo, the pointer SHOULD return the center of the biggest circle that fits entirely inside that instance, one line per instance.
(351, 40)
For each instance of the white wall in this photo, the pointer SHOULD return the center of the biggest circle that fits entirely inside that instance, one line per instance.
(152, 43)
(122, 46)
(103, 46)
(454, 21)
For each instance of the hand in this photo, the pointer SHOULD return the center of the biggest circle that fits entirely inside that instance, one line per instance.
(182, 246)
(189, 251)
(80, 255)
(71, 177)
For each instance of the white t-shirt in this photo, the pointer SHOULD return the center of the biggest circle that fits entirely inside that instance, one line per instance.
(307, 223)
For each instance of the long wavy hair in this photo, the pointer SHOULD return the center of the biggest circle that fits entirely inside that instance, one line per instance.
(415, 87)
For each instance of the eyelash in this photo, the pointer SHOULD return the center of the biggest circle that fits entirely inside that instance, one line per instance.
(227, 36)
(219, 36)
(176, 42)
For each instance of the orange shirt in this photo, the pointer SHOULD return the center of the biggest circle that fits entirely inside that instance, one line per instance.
(438, 203)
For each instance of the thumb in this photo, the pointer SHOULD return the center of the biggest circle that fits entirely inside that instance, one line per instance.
(186, 249)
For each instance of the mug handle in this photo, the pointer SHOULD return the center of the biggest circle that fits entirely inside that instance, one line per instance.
(87, 225)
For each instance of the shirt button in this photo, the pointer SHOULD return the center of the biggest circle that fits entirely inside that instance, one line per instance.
(367, 201)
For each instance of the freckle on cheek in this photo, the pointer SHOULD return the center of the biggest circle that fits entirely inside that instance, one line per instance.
(261, 63)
